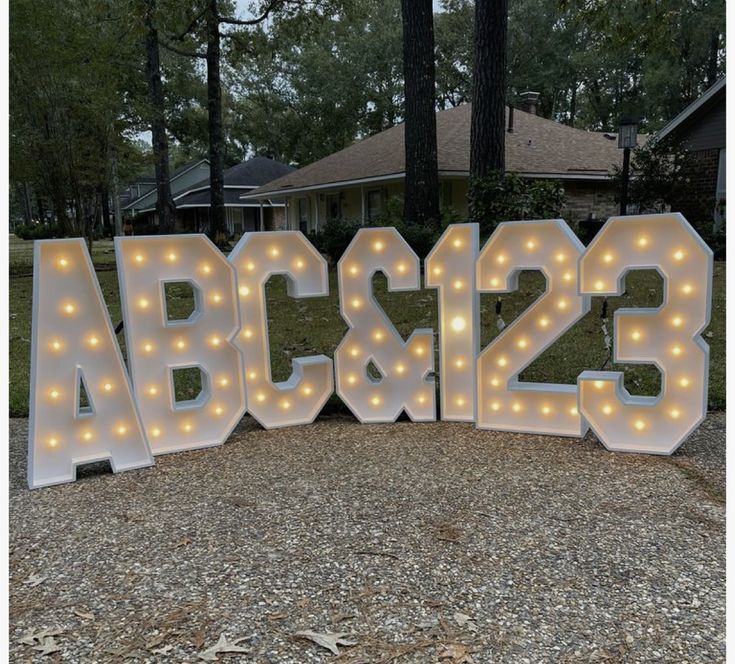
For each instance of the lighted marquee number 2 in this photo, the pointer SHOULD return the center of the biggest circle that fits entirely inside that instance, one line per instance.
(502, 401)
(668, 336)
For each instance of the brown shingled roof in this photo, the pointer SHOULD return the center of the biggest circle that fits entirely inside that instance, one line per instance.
(536, 146)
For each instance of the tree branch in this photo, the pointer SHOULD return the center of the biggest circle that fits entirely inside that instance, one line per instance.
(253, 21)
(181, 51)
(190, 27)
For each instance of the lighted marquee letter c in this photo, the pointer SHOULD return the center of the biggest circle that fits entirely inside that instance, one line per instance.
(73, 345)
(667, 336)
(373, 338)
(157, 345)
(256, 258)
(503, 401)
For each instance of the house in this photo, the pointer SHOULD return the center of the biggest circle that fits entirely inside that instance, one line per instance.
(355, 183)
(192, 197)
(701, 129)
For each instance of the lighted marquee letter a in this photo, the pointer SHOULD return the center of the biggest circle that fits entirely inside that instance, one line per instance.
(73, 346)
(372, 338)
(667, 336)
(257, 257)
(158, 345)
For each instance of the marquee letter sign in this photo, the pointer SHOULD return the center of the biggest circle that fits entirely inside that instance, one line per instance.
(84, 407)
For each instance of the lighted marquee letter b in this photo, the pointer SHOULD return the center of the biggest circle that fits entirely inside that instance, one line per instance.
(158, 345)
(667, 336)
(74, 347)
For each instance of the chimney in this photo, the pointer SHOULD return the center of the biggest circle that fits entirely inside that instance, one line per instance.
(510, 118)
(529, 101)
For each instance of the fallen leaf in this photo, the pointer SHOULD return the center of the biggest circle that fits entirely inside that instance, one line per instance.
(457, 653)
(223, 645)
(33, 638)
(47, 646)
(184, 541)
(34, 580)
(162, 651)
(328, 640)
(463, 620)
(276, 616)
(82, 614)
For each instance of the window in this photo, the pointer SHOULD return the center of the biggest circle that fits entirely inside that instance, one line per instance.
(304, 215)
(373, 204)
(334, 207)
(445, 195)
(721, 176)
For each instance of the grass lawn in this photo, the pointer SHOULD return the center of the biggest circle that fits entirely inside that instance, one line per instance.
(312, 326)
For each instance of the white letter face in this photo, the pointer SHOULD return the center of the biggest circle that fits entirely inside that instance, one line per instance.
(503, 401)
(158, 346)
(74, 344)
(256, 258)
(450, 268)
(667, 336)
(373, 338)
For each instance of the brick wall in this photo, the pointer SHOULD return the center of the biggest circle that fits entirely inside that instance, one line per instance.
(698, 205)
(585, 199)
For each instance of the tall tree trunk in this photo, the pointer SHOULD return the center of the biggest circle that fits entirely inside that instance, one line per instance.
(487, 134)
(107, 229)
(217, 226)
(116, 195)
(421, 203)
(25, 203)
(714, 47)
(573, 104)
(41, 209)
(165, 207)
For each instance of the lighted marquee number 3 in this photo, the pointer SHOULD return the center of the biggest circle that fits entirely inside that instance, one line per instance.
(226, 337)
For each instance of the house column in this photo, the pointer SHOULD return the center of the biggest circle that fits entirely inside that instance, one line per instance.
(362, 205)
(316, 212)
(262, 215)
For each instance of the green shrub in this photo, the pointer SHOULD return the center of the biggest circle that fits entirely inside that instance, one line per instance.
(508, 197)
(336, 236)
(420, 238)
(40, 231)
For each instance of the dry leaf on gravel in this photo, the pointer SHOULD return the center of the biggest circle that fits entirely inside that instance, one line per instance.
(223, 645)
(34, 580)
(34, 638)
(83, 614)
(328, 640)
(47, 646)
(457, 653)
(463, 620)
(162, 651)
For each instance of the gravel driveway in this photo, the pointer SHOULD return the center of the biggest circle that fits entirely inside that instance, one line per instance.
(417, 542)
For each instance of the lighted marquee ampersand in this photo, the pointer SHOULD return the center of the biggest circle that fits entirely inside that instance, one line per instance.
(450, 268)
(73, 345)
(503, 401)
(158, 345)
(257, 257)
(667, 336)
(372, 338)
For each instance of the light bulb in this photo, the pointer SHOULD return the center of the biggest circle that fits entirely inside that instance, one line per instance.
(252, 375)
(437, 271)
(187, 427)
(639, 424)
(457, 243)
(285, 404)
(676, 350)
(155, 432)
(674, 413)
(250, 266)
(635, 336)
(568, 276)
(421, 398)
(543, 322)
(171, 257)
(260, 397)
(599, 285)
(69, 309)
(560, 257)
(139, 258)
(62, 263)
(679, 255)
(458, 284)
(495, 405)
(244, 291)
(352, 379)
(206, 268)
(299, 264)
(495, 282)
(307, 390)
(378, 246)
(400, 368)
(378, 335)
(274, 252)
(522, 343)
(642, 241)
(121, 429)
(107, 387)
(530, 245)
(375, 401)
(684, 382)
(516, 407)
(87, 435)
(224, 382)
(219, 410)
(562, 304)
(93, 341)
(459, 363)
(356, 303)
(494, 382)
(460, 401)
(215, 341)
(401, 267)
(143, 303)
(501, 259)
(247, 333)
(458, 324)
(607, 409)
(354, 270)
(53, 442)
(153, 390)
(54, 394)
(354, 351)
(573, 411)
(687, 289)
(181, 344)
(545, 410)
(147, 347)
(677, 321)
(216, 298)
(419, 350)
(608, 258)
(502, 361)
(599, 384)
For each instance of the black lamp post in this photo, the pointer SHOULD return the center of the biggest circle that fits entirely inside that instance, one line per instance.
(627, 139)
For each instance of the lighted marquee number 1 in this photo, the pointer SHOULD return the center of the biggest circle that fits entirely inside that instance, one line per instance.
(667, 336)
(503, 402)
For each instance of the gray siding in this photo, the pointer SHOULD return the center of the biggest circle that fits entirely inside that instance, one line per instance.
(708, 131)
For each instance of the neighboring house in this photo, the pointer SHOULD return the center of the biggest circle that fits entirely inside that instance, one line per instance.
(701, 128)
(192, 199)
(355, 183)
